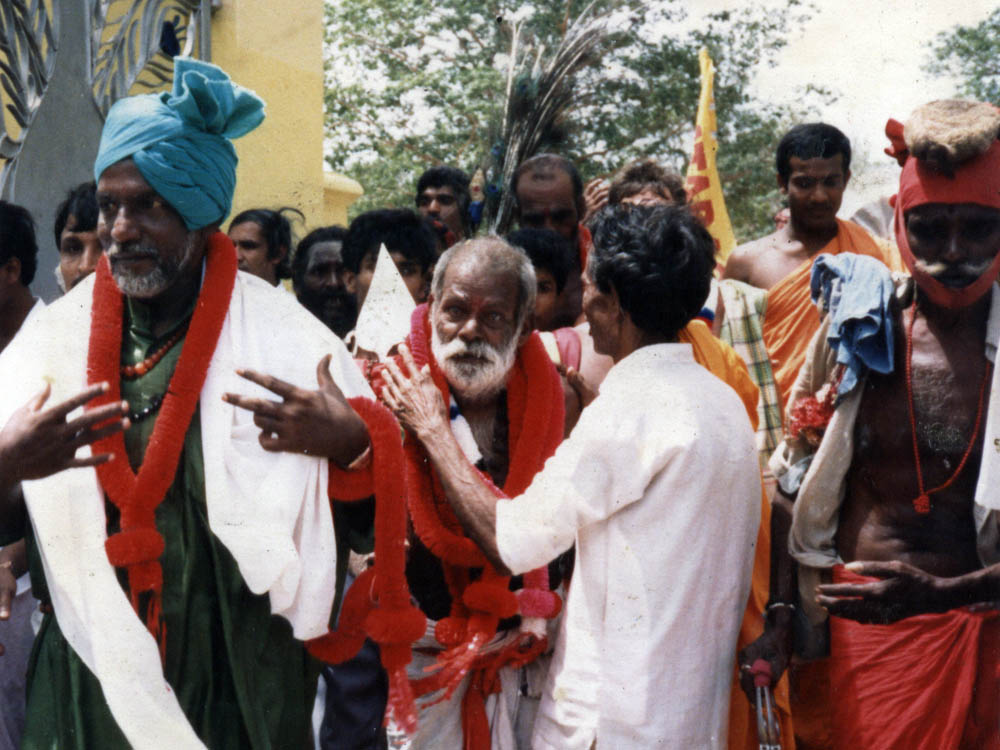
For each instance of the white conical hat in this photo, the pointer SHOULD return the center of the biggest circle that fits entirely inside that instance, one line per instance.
(384, 319)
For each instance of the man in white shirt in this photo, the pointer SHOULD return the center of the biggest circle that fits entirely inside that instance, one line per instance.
(658, 487)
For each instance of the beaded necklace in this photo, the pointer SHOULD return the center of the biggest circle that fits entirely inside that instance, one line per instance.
(138, 546)
(922, 503)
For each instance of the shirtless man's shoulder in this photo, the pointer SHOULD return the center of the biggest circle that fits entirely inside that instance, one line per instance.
(765, 261)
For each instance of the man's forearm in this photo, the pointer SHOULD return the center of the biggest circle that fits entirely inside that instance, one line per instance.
(972, 588)
(473, 502)
(784, 579)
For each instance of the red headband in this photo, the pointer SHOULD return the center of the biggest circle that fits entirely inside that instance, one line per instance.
(977, 181)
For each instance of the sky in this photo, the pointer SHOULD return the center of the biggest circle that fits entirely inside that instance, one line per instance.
(870, 53)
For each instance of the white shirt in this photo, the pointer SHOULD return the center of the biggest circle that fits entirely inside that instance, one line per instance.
(659, 488)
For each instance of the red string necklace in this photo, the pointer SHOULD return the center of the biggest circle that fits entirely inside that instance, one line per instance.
(922, 503)
(138, 546)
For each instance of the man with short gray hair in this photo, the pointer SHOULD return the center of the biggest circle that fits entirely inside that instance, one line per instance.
(475, 339)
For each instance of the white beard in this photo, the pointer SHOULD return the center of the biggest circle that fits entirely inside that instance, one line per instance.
(162, 275)
(479, 380)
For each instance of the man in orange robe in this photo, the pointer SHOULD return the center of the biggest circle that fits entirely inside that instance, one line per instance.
(813, 163)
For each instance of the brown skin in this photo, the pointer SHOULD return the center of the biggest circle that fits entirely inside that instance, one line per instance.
(13, 564)
(441, 203)
(15, 301)
(132, 214)
(545, 200)
(79, 251)
(419, 407)
(37, 443)
(926, 563)
(253, 252)
(814, 190)
(316, 423)
(545, 300)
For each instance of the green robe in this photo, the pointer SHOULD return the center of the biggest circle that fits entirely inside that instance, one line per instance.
(241, 678)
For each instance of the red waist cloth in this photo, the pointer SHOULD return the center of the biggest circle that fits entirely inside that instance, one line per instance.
(931, 681)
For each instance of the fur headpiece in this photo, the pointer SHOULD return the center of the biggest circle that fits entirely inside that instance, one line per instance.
(946, 133)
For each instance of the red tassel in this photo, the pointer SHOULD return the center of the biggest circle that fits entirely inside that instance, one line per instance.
(139, 546)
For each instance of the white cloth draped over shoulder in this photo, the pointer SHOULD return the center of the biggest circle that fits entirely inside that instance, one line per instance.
(270, 510)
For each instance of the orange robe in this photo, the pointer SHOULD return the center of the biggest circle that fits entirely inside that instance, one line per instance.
(719, 358)
(791, 319)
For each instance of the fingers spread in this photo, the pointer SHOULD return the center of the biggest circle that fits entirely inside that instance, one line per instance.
(100, 458)
(59, 411)
(256, 405)
(273, 384)
(323, 376)
(407, 355)
(96, 416)
(39, 399)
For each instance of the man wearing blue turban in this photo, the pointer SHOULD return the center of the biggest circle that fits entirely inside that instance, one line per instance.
(186, 554)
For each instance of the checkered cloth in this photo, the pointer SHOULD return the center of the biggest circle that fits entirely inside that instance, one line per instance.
(743, 329)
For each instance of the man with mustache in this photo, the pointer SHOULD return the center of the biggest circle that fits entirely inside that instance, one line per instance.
(658, 487)
(889, 473)
(474, 337)
(186, 558)
(320, 279)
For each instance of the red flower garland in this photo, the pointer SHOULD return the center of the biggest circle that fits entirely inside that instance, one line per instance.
(378, 604)
(535, 408)
(138, 546)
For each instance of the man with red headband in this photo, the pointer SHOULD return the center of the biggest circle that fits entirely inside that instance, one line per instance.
(889, 470)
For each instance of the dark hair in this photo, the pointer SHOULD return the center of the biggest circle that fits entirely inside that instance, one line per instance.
(646, 174)
(399, 229)
(450, 177)
(542, 164)
(548, 251)
(659, 259)
(277, 231)
(300, 261)
(80, 202)
(17, 239)
(811, 140)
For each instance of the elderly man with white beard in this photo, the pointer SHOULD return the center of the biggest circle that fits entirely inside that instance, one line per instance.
(475, 339)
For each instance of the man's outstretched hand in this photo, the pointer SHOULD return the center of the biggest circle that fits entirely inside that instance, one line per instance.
(903, 591)
(316, 423)
(36, 443)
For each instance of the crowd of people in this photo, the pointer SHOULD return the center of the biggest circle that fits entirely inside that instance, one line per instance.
(598, 491)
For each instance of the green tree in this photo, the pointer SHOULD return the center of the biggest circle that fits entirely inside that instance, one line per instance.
(971, 54)
(411, 84)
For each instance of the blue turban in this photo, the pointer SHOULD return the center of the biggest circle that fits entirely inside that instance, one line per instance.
(180, 141)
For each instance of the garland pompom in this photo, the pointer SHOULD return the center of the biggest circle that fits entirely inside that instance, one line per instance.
(138, 546)
(494, 599)
(538, 603)
(378, 604)
(344, 643)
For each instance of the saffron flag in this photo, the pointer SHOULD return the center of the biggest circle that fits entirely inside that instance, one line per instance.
(703, 186)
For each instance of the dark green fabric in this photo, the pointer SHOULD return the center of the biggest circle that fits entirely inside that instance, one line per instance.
(241, 678)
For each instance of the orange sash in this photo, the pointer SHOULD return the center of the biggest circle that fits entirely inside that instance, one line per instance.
(791, 319)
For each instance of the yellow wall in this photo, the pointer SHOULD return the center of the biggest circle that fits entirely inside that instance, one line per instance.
(276, 49)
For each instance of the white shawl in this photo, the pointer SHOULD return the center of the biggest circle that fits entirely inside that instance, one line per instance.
(270, 510)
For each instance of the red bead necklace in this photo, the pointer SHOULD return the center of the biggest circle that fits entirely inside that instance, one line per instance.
(130, 372)
(922, 503)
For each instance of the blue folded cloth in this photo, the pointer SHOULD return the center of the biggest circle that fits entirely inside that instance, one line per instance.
(856, 292)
